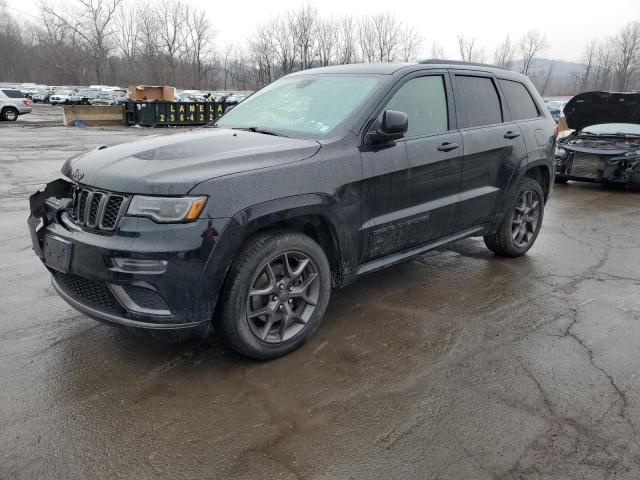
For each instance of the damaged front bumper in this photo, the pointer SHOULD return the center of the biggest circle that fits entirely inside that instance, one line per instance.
(141, 274)
(594, 165)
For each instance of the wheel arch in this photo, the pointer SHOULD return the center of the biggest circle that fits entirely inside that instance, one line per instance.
(308, 214)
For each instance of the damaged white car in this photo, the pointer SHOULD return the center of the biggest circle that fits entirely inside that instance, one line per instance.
(605, 144)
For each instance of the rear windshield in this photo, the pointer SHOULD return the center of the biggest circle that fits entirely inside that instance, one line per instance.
(13, 93)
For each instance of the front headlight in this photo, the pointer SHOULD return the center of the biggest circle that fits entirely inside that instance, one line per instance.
(561, 153)
(167, 209)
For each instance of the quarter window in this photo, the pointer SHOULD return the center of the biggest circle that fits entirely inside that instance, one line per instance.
(424, 100)
(477, 101)
(521, 105)
(13, 93)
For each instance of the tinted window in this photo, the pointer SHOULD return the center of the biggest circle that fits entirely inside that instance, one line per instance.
(521, 105)
(477, 101)
(13, 93)
(424, 101)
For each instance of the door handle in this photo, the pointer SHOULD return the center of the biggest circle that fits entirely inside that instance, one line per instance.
(511, 134)
(447, 146)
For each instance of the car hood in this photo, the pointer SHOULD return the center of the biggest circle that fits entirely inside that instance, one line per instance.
(592, 108)
(174, 164)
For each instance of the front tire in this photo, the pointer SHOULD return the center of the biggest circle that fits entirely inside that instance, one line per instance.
(276, 294)
(522, 221)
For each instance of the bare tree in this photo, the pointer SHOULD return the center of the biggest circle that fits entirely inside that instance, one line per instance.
(367, 40)
(198, 45)
(126, 31)
(604, 65)
(410, 43)
(588, 60)
(436, 51)
(346, 50)
(303, 28)
(91, 21)
(505, 53)
(547, 79)
(327, 30)
(627, 43)
(387, 37)
(469, 50)
(530, 45)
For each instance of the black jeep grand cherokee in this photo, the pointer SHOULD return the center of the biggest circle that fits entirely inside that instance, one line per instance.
(318, 178)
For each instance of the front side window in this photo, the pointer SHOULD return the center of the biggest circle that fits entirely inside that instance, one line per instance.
(477, 101)
(311, 105)
(521, 105)
(424, 100)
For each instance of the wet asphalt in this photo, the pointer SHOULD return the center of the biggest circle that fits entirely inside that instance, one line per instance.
(454, 365)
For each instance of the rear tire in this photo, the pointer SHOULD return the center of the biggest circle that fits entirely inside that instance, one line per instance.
(9, 114)
(276, 294)
(561, 180)
(522, 221)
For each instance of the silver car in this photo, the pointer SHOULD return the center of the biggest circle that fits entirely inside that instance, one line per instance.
(12, 104)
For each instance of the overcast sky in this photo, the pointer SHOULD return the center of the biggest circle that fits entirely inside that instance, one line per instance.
(568, 24)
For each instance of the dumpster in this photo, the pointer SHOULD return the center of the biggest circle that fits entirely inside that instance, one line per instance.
(158, 113)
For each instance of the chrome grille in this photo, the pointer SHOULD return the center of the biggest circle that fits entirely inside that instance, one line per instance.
(585, 165)
(97, 210)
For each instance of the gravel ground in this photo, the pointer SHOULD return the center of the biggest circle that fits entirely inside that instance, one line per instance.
(454, 365)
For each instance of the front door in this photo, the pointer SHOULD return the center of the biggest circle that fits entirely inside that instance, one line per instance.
(417, 178)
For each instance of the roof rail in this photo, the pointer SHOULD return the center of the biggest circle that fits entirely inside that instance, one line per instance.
(436, 61)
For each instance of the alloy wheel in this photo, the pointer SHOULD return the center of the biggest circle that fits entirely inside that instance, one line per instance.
(526, 217)
(283, 297)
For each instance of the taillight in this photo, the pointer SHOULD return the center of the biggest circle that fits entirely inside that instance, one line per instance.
(556, 131)
(25, 101)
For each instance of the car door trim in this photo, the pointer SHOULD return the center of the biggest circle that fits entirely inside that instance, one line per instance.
(428, 206)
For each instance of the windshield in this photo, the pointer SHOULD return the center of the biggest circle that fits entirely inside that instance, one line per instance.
(312, 104)
(63, 92)
(613, 129)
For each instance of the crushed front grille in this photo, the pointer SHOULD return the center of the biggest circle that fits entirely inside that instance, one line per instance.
(87, 291)
(96, 209)
(585, 165)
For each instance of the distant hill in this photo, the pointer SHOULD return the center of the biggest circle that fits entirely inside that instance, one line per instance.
(561, 68)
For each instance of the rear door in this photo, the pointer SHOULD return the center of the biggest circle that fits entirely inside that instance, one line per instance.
(493, 145)
(527, 113)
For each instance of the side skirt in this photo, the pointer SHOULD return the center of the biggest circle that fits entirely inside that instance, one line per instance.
(394, 258)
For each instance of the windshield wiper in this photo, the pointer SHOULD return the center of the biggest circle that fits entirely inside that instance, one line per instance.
(259, 130)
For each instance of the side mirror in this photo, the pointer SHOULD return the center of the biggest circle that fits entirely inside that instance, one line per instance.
(394, 126)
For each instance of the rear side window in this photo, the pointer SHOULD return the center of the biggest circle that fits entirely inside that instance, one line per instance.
(424, 101)
(13, 93)
(521, 105)
(477, 101)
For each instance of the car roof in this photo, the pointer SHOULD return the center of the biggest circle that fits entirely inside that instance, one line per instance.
(392, 68)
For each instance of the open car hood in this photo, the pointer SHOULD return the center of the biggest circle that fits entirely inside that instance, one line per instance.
(592, 108)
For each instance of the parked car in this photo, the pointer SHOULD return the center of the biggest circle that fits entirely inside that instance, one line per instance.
(66, 97)
(605, 143)
(87, 96)
(13, 103)
(235, 99)
(105, 99)
(41, 96)
(249, 223)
